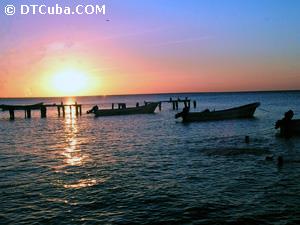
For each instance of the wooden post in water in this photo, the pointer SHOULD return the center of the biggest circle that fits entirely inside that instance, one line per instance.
(195, 103)
(11, 114)
(80, 110)
(176, 105)
(76, 109)
(247, 139)
(64, 111)
(70, 109)
(58, 111)
(159, 106)
(43, 112)
(173, 103)
(28, 113)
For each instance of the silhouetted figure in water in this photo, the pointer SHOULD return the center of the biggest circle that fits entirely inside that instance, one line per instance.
(269, 158)
(94, 109)
(280, 161)
(285, 124)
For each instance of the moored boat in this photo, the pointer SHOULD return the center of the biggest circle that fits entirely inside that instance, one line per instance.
(245, 111)
(21, 107)
(146, 109)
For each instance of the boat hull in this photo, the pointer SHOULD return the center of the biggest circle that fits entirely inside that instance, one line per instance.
(245, 111)
(147, 109)
(21, 107)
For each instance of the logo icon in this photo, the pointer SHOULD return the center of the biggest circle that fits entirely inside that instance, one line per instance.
(10, 10)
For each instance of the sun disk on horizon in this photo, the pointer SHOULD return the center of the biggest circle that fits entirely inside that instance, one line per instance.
(70, 82)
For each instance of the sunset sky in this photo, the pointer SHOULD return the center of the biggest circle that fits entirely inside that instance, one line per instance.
(151, 46)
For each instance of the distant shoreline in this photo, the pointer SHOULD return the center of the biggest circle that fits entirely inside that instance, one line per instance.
(171, 93)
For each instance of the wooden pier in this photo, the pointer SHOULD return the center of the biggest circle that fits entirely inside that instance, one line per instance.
(176, 102)
(186, 102)
(61, 108)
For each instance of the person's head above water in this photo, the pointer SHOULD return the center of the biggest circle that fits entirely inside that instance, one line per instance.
(289, 114)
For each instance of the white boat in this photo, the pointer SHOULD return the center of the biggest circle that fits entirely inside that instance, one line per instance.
(149, 108)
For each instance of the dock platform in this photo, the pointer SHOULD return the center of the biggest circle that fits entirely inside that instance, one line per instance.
(61, 109)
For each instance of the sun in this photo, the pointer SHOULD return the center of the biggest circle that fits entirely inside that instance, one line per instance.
(70, 82)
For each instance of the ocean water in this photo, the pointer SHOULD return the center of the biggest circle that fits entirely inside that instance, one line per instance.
(150, 169)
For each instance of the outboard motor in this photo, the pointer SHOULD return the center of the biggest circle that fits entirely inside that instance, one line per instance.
(94, 109)
(184, 113)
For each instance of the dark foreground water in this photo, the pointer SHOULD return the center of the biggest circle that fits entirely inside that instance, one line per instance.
(150, 169)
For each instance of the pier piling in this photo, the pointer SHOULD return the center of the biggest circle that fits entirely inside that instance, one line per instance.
(43, 112)
(247, 139)
(77, 110)
(173, 105)
(28, 113)
(64, 111)
(58, 111)
(11, 114)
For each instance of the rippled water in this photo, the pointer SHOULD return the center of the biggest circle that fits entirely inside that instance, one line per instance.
(150, 169)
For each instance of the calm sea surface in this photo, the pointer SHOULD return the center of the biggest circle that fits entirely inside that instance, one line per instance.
(150, 169)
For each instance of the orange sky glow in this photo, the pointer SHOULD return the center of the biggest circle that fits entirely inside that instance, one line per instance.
(121, 54)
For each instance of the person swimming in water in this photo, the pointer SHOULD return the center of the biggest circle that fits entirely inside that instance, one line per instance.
(285, 124)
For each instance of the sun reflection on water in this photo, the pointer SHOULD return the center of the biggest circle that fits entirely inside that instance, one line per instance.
(81, 184)
(74, 157)
(70, 111)
(72, 153)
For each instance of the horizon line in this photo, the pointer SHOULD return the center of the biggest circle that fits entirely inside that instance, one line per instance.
(161, 93)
